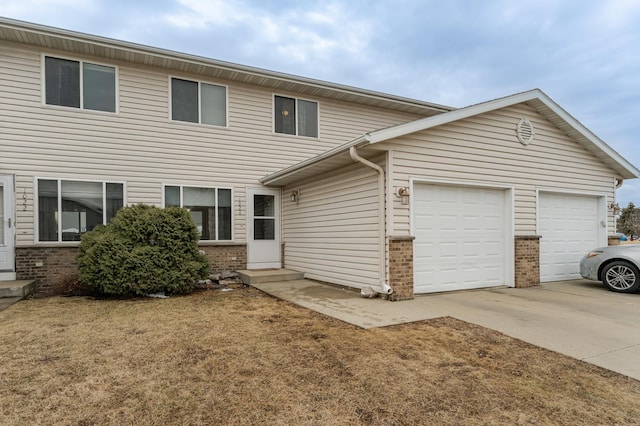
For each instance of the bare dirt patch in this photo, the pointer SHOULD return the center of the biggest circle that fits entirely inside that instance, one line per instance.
(242, 357)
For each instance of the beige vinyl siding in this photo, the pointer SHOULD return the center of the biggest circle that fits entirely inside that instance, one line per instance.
(485, 149)
(141, 146)
(332, 232)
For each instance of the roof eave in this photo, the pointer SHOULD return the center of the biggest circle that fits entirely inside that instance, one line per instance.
(281, 177)
(587, 138)
(46, 35)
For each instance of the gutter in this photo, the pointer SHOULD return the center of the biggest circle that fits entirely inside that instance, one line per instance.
(384, 287)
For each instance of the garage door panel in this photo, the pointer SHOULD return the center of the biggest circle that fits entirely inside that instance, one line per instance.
(569, 225)
(460, 237)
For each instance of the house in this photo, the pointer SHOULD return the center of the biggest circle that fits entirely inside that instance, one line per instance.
(350, 186)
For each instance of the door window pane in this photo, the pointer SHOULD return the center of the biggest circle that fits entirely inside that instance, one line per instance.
(62, 82)
(99, 83)
(307, 118)
(184, 100)
(81, 208)
(48, 210)
(264, 229)
(263, 205)
(214, 104)
(285, 115)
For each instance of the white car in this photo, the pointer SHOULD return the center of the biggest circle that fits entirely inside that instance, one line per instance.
(618, 267)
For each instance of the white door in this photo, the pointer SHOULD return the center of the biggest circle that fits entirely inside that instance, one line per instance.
(7, 230)
(263, 228)
(569, 225)
(461, 237)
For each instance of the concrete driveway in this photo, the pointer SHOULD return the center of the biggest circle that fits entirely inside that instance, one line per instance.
(577, 318)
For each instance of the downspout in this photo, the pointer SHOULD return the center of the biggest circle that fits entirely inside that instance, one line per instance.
(384, 287)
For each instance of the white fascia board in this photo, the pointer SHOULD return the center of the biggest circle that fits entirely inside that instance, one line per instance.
(589, 135)
(448, 117)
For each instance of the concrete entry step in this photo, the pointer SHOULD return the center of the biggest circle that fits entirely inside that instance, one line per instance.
(17, 288)
(255, 276)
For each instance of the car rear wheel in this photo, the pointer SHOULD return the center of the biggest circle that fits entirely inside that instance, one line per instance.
(622, 277)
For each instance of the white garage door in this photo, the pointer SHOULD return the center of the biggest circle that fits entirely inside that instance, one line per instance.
(460, 237)
(570, 225)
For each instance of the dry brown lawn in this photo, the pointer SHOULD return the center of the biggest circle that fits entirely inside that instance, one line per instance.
(242, 357)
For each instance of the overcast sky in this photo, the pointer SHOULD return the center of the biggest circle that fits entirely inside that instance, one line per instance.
(585, 54)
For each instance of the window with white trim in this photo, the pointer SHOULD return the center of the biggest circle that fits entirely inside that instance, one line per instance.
(79, 84)
(295, 116)
(69, 208)
(198, 102)
(210, 209)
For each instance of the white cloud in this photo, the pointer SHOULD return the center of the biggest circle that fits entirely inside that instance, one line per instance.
(296, 34)
(200, 14)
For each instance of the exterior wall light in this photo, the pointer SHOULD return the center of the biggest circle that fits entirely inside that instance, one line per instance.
(295, 195)
(403, 193)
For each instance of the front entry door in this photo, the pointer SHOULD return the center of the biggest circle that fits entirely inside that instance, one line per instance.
(263, 228)
(7, 227)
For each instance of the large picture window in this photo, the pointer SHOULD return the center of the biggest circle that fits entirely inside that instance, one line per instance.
(198, 102)
(210, 209)
(79, 84)
(68, 208)
(295, 116)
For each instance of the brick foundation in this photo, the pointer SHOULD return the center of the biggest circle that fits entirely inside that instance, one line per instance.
(612, 240)
(226, 257)
(57, 263)
(401, 267)
(46, 265)
(527, 261)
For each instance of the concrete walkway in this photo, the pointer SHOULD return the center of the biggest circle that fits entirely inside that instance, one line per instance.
(578, 318)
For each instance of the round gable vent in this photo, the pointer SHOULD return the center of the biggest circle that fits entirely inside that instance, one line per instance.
(525, 132)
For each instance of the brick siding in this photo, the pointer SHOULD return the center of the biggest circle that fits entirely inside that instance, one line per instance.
(48, 265)
(401, 268)
(613, 240)
(226, 257)
(527, 261)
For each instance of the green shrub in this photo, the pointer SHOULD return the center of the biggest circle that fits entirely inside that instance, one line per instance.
(143, 250)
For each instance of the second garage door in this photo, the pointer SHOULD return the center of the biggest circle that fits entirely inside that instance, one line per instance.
(569, 226)
(461, 237)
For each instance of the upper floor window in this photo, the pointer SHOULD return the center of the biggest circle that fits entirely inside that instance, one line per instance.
(210, 208)
(198, 102)
(80, 84)
(295, 116)
(69, 208)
